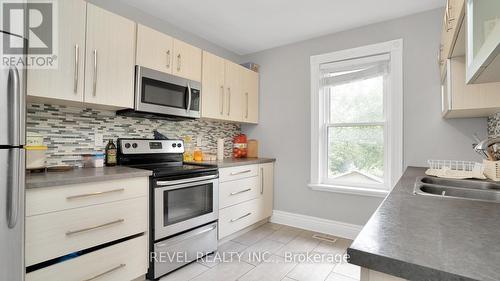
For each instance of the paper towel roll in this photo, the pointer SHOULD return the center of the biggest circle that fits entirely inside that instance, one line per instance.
(220, 149)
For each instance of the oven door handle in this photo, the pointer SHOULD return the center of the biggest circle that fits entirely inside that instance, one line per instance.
(176, 182)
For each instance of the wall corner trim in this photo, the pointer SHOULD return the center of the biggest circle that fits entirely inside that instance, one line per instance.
(336, 228)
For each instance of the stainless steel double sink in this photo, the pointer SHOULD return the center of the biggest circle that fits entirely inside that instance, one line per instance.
(478, 190)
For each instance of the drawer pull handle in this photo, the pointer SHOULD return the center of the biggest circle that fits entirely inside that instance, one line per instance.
(239, 192)
(242, 217)
(239, 173)
(94, 194)
(191, 236)
(106, 272)
(69, 233)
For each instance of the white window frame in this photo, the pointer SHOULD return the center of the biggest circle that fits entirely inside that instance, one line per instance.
(393, 127)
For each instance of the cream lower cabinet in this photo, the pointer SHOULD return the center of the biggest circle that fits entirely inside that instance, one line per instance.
(460, 100)
(110, 59)
(245, 196)
(64, 83)
(93, 221)
(230, 92)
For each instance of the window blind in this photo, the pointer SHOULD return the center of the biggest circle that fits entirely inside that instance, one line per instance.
(342, 72)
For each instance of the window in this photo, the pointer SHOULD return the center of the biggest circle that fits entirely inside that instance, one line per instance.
(357, 119)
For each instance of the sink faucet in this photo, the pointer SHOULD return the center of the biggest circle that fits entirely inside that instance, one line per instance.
(487, 148)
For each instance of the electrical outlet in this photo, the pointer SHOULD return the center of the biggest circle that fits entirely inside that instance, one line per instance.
(98, 140)
(199, 141)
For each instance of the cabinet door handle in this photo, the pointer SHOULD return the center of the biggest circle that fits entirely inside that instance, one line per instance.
(246, 113)
(168, 59)
(261, 180)
(239, 192)
(228, 101)
(241, 172)
(94, 88)
(77, 62)
(242, 217)
(73, 232)
(179, 62)
(106, 272)
(221, 100)
(94, 194)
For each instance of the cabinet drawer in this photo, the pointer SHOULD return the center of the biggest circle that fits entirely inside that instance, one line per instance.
(237, 217)
(53, 199)
(234, 192)
(240, 172)
(123, 261)
(57, 234)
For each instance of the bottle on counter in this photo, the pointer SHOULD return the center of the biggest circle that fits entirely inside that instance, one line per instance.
(110, 154)
(188, 149)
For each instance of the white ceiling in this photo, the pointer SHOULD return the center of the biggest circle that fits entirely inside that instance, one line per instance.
(248, 26)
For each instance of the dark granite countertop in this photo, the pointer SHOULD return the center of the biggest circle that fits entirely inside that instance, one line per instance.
(232, 162)
(430, 238)
(83, 175)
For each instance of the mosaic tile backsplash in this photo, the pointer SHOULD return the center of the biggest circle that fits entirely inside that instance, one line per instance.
(69, 131)
(494, 125)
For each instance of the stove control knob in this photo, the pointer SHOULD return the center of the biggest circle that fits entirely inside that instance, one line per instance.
(173, 145)
(179, 145)
(134, 145)
(127, 145)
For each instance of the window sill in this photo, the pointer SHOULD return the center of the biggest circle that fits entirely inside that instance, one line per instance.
(349, 190)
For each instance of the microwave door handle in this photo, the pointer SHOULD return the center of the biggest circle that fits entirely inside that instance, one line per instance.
(189, 98)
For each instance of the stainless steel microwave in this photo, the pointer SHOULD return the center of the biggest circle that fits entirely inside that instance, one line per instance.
(162, 94)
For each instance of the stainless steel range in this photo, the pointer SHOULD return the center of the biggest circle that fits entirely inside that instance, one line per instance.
(183, 203)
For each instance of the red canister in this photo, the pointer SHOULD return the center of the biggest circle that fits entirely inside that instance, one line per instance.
(240, 146)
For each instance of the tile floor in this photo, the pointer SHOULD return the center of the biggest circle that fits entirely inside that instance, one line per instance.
(266, 255)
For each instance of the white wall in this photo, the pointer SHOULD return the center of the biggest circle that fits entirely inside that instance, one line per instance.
(284, 129)
(164, 26)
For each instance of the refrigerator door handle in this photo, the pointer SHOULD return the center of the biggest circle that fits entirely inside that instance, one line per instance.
(16, 101)
(15, 185)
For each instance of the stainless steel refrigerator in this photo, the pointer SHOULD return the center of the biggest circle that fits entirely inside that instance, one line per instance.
(12, 166)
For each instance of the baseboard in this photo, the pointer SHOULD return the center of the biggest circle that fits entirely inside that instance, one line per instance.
(336, 228)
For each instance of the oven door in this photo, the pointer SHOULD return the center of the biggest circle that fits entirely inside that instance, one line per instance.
(184, 206)
(161, 93)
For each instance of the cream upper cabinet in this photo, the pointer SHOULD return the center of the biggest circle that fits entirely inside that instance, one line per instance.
(213, 87)
(250, 96)
(110, 59)
(234, 92)
(267, 188)
(230, 92)
(154, 49)
(461, 100)
(67, 80)
(452, 27)
(187, 61)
